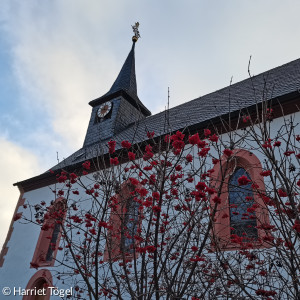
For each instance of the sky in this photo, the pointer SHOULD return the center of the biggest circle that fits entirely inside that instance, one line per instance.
(56, 56)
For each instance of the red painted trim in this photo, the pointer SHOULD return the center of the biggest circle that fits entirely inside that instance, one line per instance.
(4, 250)
(113, 242)
(44, 241)
(37, 281)
(248, 161)
(113, 246)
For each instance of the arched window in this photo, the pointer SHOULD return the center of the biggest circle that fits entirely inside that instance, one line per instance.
(46, 248)
(38, 284)
(241, 209)
(131, 220)
(126, 221)
(241, 199)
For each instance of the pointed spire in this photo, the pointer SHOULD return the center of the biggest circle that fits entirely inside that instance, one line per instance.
(125, 84)
(126, 79)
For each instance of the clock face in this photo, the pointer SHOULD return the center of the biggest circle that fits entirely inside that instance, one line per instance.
(104, 109)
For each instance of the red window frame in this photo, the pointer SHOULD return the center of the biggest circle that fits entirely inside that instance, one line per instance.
(37, 281)
(114, 247)
(221, 228)
(45, 237)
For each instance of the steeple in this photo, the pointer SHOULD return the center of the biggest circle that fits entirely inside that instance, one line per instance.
(120, 107)
(126, 79)
(125, 84)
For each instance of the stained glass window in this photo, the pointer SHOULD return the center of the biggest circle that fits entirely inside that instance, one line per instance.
(131, 224)
(53, 242)
(241, 198)
(45, 252)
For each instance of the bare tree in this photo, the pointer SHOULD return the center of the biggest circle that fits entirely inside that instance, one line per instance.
(188, 215)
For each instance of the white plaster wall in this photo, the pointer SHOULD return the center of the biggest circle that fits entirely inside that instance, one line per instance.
(16, 270)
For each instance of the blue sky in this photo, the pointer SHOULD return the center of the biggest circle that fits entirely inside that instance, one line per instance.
(56, 56)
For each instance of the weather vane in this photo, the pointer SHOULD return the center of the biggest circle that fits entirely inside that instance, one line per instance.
(135, 29)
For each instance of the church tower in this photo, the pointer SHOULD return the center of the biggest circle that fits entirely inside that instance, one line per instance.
(119, 107)
(73, 200)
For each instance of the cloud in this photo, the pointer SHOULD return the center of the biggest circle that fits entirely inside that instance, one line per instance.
(57, 65)
(67, 53)
(16, 164)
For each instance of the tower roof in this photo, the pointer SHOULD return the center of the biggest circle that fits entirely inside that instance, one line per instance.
(126, 79)
(279, 85)
(125, 85)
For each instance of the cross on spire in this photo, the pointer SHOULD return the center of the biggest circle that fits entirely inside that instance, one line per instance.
(136, 32)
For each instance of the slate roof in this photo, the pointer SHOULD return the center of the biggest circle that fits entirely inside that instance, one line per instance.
(272, 84)
(126, 82)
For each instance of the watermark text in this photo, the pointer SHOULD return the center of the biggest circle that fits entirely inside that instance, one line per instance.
(51, 290)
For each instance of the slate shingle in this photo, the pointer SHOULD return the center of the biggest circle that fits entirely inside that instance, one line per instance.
(126, 82)
(268, 85)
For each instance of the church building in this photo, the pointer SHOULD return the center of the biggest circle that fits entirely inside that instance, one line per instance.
(36, 252)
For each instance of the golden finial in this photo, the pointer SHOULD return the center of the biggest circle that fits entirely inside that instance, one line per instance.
(135, 29)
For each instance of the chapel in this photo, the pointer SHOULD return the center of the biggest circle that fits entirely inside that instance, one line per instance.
(28, 256)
